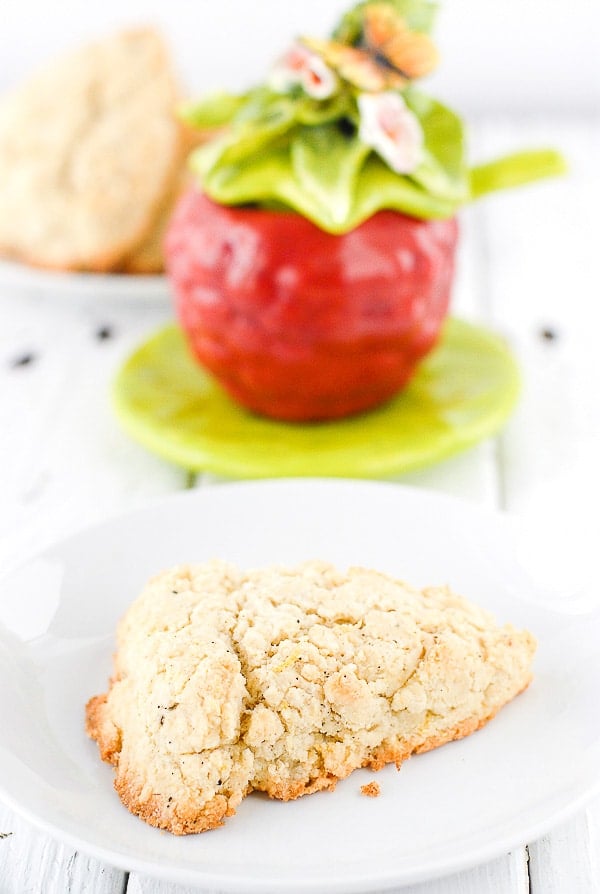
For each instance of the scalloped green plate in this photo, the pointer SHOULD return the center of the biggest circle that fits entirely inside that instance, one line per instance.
(462, 392)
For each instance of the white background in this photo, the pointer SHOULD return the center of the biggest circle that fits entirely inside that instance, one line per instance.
(514, 56)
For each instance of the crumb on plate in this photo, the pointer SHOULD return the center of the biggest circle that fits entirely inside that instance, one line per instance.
(371, 789)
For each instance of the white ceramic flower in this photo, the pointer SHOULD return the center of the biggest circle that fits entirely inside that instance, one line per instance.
(391, 129)
(301, 67)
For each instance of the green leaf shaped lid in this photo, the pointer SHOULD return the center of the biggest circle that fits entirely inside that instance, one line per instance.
(339, 131)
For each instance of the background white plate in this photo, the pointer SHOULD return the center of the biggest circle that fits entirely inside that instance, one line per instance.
(88, 286)
(454, 807)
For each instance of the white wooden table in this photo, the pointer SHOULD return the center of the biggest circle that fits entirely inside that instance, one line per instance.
(528, 267)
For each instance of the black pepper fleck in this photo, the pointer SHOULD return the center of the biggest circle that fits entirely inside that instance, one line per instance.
(23, 360)
(548, 334)
(104, 332)
(5, 835)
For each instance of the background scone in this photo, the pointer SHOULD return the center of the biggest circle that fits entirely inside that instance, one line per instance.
(286, 680)
(89, 152)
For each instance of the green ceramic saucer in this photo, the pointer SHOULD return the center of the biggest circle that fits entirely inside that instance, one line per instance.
(463, 392)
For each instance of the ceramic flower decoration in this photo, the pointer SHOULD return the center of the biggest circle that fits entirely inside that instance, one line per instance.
(300, 67)
(391, 129)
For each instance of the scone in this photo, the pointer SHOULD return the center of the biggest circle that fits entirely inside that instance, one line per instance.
(89, 150)
(285, 680)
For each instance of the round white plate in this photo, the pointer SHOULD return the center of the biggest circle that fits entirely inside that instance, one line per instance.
(87, 286)
(457, 806)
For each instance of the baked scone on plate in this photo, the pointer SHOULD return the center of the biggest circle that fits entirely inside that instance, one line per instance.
(286, 680)
(90, 150)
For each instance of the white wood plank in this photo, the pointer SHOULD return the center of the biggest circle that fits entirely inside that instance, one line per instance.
(542, 250)
(64, 462)
(32, 863)
(566, 860)
(141, 884)
(506, 875)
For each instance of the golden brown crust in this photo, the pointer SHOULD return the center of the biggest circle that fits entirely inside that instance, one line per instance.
(106, 735)
(290, 791)
(164, 814)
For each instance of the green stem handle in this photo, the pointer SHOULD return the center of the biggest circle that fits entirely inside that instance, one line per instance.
(515, 170)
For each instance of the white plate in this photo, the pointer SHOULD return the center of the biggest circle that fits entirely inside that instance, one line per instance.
(87, 286)
(457, 806)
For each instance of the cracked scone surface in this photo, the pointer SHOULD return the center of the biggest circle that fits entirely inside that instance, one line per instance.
(285, 680)
(89, 149)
